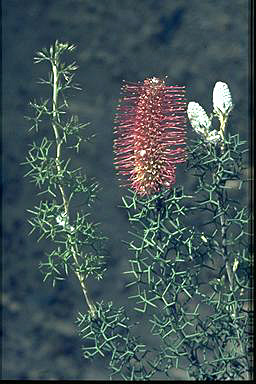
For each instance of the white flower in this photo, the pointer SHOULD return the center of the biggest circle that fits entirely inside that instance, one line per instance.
(222, 100)
(62, 219)
(198, 118)
(70, 228)
(213, 136)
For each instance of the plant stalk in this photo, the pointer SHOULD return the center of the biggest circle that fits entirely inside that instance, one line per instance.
(59, 141)
(230, 273)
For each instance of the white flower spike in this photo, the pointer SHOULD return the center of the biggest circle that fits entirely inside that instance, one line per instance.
(222, 105)
(222, 100)
(198, 118)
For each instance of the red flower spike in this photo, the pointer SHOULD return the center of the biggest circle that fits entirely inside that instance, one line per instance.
(150, 134)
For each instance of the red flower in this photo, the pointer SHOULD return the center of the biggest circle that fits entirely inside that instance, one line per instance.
(150, 134)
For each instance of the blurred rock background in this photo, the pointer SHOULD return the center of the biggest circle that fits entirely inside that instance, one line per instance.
(195, 43)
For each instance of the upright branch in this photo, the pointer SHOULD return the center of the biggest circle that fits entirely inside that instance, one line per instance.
(57, 72)
(218, 141)
(222, 104)
(79, 246)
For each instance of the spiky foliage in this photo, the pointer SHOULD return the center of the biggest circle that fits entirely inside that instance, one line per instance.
(77, 244)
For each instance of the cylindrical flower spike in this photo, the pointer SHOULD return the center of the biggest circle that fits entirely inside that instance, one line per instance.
(222, 105)
(150, 134)
(201, 123)
(222, 100)
(198, 118)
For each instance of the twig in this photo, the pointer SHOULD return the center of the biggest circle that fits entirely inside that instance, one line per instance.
(59, 141)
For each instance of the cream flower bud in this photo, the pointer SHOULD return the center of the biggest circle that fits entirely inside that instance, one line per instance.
(61, 219)
(222, 100)
(198, 118)
(213, 136)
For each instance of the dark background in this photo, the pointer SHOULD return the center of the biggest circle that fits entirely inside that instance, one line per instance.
(195, 43)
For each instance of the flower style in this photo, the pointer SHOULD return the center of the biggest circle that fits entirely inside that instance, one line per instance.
(150, 134)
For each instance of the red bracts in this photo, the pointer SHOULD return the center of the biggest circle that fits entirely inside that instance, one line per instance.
(150, 134)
